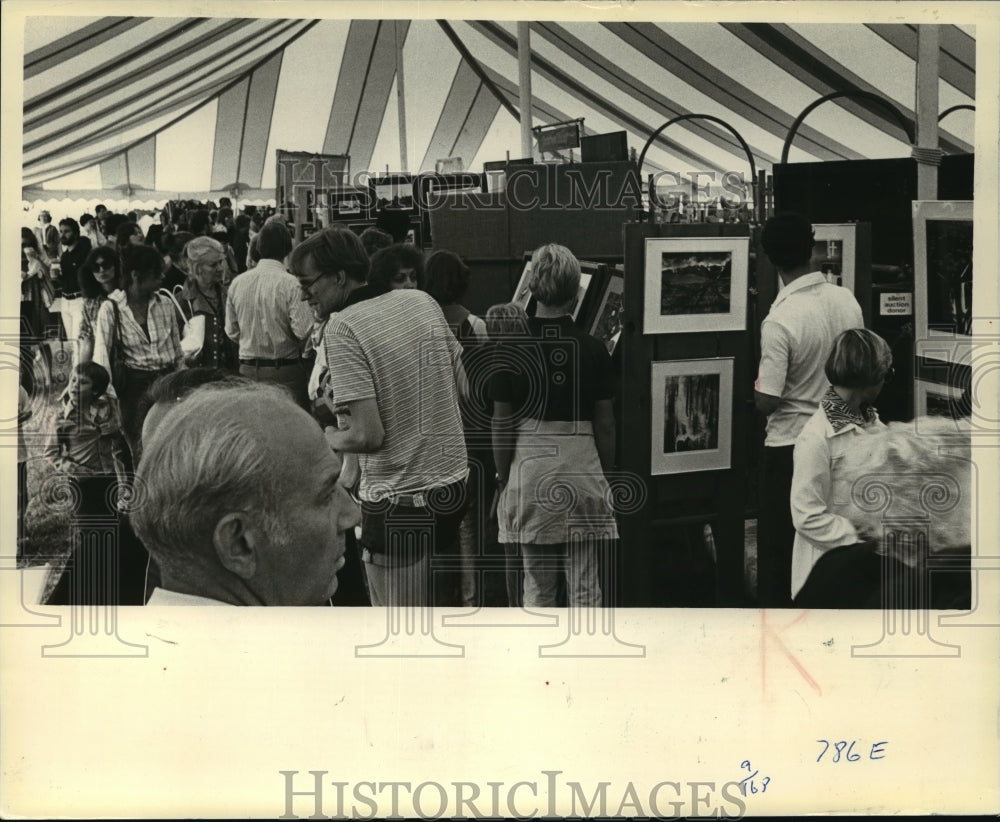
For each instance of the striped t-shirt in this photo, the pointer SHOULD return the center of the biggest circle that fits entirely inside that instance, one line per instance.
(398, 350)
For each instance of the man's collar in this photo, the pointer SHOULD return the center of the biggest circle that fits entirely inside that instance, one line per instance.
(805, 281)
(840, 415)
(360, 294)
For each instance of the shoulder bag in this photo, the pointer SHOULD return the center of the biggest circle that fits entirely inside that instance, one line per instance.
(193, 330)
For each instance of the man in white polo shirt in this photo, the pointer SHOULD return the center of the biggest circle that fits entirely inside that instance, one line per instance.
(395, 368)
(796, 337)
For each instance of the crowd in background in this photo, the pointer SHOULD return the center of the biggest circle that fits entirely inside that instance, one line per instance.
(208, 296)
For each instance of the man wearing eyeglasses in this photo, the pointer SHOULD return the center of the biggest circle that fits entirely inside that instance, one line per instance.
(394, 381)
(796, 338)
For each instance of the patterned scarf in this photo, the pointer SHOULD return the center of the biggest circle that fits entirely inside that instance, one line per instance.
(840, 414)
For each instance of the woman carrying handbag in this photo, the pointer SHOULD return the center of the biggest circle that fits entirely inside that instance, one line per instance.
(201, 304)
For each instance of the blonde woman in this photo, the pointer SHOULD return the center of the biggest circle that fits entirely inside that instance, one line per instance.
(553, 440)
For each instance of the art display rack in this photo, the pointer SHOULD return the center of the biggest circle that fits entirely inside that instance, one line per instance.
(691, 499)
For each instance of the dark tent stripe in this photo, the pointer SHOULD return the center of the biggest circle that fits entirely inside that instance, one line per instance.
(953, 72)
(70, 90)
(609, 109)
(475, 125)
(377, 88)
(204, 45)
(77, 43)
(44, 173)
(811, 61)
(355, 64)
(148, 109)
(257, 130)
(229, 122)
(684, 64)
(465, 85)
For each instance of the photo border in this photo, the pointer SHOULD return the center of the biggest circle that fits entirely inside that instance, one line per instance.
(653, 322)
(715, 459)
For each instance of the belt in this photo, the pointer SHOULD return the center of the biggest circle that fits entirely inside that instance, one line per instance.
(418, 500)
(71, 295)
(259, 363)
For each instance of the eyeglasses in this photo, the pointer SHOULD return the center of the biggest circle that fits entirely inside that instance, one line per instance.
(305, 286)
(105, 264)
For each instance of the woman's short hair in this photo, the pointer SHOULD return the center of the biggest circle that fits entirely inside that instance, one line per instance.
(555, 275)
(505, 320)
(198, 249)
(787, 239)
(143, 260)
(860, 358)
(332, 249)
(86, 219)
(88, 282)
(28, 238)
(388, 262)
(97, 374)
(446, 277)
(274, 241)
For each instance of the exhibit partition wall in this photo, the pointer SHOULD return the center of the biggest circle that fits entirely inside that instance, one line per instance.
(687, 379)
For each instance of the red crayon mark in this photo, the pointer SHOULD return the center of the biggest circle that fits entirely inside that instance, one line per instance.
(767, 632)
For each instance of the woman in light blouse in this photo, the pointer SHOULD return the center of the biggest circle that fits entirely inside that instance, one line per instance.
(138, 329)
(857, 368)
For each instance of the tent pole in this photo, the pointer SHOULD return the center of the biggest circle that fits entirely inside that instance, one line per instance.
(927, 151)
(524, 84)
(400, 98)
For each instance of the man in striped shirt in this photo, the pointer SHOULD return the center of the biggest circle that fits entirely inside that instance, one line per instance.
(266, 316)
(395, 369)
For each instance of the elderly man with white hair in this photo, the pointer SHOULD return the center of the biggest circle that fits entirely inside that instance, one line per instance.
(238, 511)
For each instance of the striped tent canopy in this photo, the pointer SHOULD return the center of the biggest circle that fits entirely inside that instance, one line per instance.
(156, 107)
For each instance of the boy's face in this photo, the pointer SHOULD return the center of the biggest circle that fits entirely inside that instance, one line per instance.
(83, 388)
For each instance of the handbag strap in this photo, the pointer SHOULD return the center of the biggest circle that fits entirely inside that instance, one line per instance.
(119, 346)
(177, 305)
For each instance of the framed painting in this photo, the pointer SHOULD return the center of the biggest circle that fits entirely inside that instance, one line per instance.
(695, 284)
(607, 325)
(942, 276)
(692, 419)
(834, 253)
(934, 399)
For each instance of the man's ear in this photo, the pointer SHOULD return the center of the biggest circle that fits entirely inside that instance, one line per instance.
(237, 539)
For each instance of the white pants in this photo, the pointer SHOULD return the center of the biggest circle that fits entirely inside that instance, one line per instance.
(72, 318)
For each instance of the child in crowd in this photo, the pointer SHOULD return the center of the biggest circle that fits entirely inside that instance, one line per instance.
(506, 320)
(88, 443)
(88, 446)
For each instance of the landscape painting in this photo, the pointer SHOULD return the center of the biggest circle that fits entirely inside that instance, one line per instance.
(695, 284)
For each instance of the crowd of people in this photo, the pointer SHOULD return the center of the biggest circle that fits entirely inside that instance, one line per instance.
(326, 422)
(182, 339)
